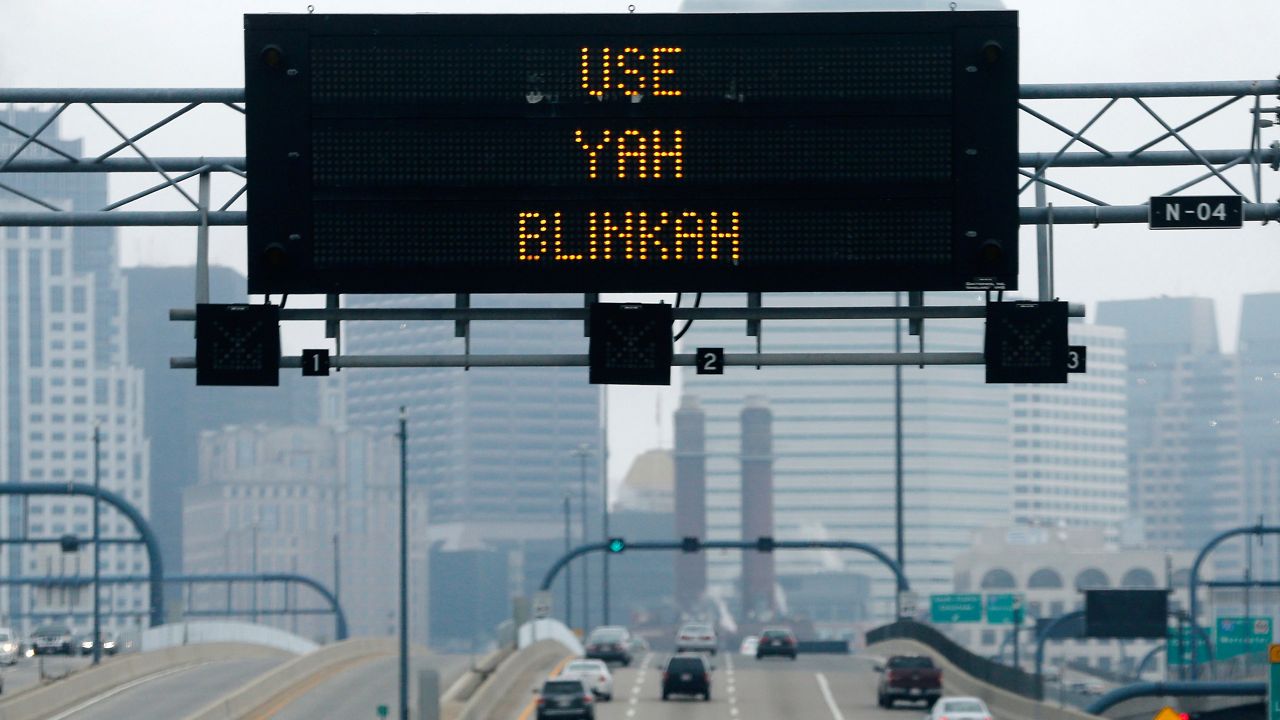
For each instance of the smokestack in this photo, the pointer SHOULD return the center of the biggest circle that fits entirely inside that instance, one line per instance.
(690, 498)
(757, 504)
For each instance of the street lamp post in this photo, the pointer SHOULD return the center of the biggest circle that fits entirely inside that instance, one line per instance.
(253, 561)
(897, 450)
(568, 570)
(404, 565)
(604, 505)
(97, 565)
(582, 452)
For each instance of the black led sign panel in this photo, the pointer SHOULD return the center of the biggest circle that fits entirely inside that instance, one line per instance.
(237, 344)
(1126, 613)
(587, 153)
(1026, 342)
(631, 344)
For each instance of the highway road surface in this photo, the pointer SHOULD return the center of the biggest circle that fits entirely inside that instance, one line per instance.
(814, 687)
(358, 689)
(26, 672)
(171, 693)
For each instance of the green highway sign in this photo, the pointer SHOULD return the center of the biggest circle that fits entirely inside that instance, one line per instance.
(963, 608)
(1180, 652)
(1242, 636)
(1004, 609)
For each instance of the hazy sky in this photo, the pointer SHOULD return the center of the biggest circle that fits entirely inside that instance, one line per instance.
(197, 43)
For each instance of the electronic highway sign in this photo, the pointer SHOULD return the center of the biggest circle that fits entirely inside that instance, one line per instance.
(589, 153)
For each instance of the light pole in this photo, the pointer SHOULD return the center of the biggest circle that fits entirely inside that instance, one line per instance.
(404, 565)
(568, 570)
(97, 569)
(604, 484)
(337, 569)
(253, 568)
(582, 452)
(897, 448)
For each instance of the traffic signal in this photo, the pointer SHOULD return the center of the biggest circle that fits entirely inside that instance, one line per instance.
(630, 344)
(69, 543)
(1026, 342)
(764, 544)
(617, 545)
(237, 345)
(690, 544)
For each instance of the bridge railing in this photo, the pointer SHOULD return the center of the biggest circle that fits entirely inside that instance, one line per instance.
(1002, 676)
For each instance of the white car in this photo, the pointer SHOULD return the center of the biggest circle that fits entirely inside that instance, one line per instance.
(749, 645)
(696, 637)
(593, 674)
(959, 708)
(8, 646)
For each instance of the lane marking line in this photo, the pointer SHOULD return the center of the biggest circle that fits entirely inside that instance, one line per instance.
(121, 688)
(826, 695)
(533, 702)
(293, 693)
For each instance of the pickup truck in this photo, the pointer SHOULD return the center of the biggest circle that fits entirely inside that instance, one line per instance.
(912, 678)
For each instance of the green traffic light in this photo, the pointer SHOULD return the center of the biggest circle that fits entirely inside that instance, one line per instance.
(617, 545)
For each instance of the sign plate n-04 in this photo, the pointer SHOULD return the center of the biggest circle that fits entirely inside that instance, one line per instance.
(1195, 212)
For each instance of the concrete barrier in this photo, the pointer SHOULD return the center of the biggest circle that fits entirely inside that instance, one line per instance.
(456, 697)
(195, 633)
(46, 700)
(1003, 704)
(509, 688)
(275, 684)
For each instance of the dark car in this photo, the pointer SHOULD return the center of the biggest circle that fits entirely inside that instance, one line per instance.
(610, 643)
(109, 644)
(52, 639)
(565, 699)
(686, 674)
(909, 677)
(779, 642)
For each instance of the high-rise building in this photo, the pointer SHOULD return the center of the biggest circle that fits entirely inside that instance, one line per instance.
(1259, 383)
(1070, 467)
(496, 448)
(1185, 455)
(313, 500)
(178, 410)
(974, 455)
(833, 444)
(65, 370)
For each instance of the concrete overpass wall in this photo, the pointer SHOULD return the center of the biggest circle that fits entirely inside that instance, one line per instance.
(197, 633)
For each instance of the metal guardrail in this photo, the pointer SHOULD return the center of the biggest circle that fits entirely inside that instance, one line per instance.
(1008, 678)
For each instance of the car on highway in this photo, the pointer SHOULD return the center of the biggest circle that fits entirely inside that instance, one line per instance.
(960, 708)
(10, 648)
(910, 678)
(779, 642)
(610, 643)
(109, 644)
(594, 675)
(52, 639)
(696, 637)
(564, 699)
(687, 674)
(749, 645)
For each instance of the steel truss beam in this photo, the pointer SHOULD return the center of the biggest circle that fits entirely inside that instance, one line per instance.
(201, 213)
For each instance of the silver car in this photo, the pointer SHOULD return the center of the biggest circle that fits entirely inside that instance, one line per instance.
(697, 637)
(8, 646)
